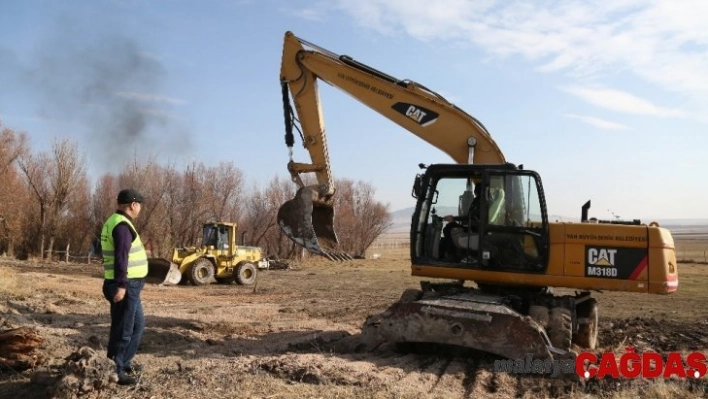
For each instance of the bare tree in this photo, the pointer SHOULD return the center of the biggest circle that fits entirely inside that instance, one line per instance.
(75, 227)
(36, 171)
(65, 177)
(153, 181)
(12, 146)
(103, 199)
(178, 202)
(260, 211)
(225, 184)
(360, 219)
(190, 204)
(275, 242)
(52, 179)
(372, 218)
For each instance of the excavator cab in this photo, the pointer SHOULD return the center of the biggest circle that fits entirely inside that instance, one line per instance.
(500, 224)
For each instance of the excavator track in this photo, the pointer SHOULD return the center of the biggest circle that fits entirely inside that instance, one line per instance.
(468, 318)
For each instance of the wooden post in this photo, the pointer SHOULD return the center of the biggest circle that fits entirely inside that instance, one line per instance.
(66, 255)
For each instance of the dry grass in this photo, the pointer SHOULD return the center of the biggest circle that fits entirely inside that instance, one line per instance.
(692, 250)
(231, 341)
(13, 285)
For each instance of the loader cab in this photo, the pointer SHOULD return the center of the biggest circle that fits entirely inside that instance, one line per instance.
(489, 217)
(216, 235)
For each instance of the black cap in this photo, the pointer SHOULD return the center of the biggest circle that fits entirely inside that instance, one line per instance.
(129, 196)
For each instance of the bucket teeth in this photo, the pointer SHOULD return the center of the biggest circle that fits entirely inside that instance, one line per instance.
(337, 256)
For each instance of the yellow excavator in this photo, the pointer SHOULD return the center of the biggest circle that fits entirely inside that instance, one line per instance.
(479, 219)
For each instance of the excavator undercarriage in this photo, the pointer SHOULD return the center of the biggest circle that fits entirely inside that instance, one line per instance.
(508, 322)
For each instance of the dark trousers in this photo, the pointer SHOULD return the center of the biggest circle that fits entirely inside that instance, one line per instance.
(127, 322)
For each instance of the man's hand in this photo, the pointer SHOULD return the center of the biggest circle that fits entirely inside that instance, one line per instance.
(449, 218)
(120, 294)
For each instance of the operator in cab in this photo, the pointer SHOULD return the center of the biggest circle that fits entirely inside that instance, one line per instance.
(447, 247)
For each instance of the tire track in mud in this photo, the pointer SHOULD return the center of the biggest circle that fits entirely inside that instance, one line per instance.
(455, 377)
(436, 372)
(452, 376)
(440, 374)
(423, 373)
(449, 384)
(470, 380)
(482, 381)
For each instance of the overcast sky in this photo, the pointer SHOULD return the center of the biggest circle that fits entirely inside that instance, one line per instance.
(607, 100)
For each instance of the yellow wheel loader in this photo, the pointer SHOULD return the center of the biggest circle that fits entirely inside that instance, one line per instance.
(499, 238)
(219, 259)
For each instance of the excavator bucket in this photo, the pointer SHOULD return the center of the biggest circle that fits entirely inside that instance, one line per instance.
(162, 271)
(309, 221)
(476, 321)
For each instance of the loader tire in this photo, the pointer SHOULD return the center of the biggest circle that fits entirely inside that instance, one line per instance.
(539, 314)
(201, 272)
(246, 273)
(588, 321)
(560, 327)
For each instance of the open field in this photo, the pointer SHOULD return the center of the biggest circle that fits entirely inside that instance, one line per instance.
(275, 340)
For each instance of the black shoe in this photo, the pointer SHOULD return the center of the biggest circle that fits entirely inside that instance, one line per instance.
(126, 380)
(134, 369)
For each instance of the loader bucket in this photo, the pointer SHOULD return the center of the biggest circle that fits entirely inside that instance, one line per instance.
(162, 271)
(472, 321)
(309, 221)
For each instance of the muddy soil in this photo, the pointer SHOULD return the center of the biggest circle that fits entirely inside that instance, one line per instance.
(284, 337)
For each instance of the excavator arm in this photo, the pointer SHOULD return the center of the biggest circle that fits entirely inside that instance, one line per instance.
(308, 219)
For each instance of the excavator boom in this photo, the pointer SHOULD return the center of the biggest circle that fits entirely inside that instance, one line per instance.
(308, 219)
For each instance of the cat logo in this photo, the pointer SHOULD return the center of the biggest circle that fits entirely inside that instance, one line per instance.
(601, 256)
(418, 114)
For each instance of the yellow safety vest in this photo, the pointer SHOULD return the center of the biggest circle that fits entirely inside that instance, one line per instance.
(137, 258)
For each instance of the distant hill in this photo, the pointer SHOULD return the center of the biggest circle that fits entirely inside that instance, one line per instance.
(402, 218)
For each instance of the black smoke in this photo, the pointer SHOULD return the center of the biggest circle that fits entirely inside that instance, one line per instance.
(105, 90)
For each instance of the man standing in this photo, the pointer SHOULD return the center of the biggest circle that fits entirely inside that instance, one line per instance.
(125, 266)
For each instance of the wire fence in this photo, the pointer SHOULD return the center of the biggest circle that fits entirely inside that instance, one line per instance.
(392, 241)
(688, 256)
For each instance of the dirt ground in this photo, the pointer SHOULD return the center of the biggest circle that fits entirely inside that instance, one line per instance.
(276, 339)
